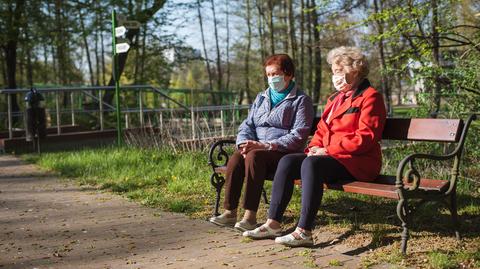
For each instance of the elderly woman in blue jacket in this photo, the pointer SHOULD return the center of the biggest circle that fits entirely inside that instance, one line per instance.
(278, 123)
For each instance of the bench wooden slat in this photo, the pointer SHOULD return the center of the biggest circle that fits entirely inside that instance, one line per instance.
(369, 188)
(439, 130)
(384, 186)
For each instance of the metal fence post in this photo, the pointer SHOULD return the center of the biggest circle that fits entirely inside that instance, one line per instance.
(9, 101)
(57, 107)
(222, 126)
(72, 101)
(233, 118)
(126, 121)
(161, 122)
(140, 104)
(100, 104)
(193, 124)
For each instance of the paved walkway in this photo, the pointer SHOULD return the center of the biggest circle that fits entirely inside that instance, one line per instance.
(47, 222)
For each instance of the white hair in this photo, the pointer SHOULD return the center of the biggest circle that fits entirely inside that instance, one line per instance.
(349, 56)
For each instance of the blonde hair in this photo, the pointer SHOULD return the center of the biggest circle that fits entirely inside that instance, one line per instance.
(349, 56)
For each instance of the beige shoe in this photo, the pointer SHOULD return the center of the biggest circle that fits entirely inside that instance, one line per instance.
(223, 220)
(244, 225)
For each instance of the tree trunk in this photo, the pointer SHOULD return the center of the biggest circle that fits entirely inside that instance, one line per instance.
(21, 68)
(398, 80)
(56, 76)
(436, 61)
(309, 51)
(207, 62)
(270, 26)
(87, 49)
(104, 76)
(60, 42)
(144, 56)
(53, 51)
(227, 86)
(285, 27)
(97, 58)
(29, 58)
(45, 76)
(3, 67)
(385, 82)
(136, 68)
(10, 48)
(291, 30)
(299, 76)
(261, 30)
(318, 57)
(219, 59)
(247, 53)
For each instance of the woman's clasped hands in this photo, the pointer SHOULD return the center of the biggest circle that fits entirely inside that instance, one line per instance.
(317, 151)
(250, 145)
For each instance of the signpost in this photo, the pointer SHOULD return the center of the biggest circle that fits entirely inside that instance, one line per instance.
(122, 47)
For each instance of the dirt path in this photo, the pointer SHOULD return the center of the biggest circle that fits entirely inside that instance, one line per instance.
(47, 222)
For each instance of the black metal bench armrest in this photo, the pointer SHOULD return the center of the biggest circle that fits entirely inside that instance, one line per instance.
(217, 156)
(412, 174)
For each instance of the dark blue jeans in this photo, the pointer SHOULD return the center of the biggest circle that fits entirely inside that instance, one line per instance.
(314, 171)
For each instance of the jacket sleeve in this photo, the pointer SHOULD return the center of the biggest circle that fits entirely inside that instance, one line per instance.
(247, 130)
(370, 128)
(297, 136)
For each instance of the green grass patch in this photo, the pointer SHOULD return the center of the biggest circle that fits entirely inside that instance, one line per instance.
(440, 260)
(335, 262)
(174, 182)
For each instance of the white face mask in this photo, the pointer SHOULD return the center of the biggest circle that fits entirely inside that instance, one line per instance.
(277, 83)
(340, 83)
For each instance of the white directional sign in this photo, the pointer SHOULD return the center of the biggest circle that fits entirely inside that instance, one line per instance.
(119, 31)
(122, 47)
(131, 24)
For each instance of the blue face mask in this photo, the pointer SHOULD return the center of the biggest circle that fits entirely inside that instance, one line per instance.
(277, 83)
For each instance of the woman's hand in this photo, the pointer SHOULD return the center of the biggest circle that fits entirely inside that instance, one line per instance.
(317, 151)
(250, 145)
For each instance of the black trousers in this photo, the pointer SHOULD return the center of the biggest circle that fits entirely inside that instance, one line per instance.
(313, 171)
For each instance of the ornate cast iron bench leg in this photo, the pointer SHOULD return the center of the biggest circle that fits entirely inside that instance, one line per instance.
(218, 157)
(402, 213)
(217, 181)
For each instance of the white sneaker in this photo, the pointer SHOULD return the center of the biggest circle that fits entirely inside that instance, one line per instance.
(244, 225)
(295, 239)
(263, 232)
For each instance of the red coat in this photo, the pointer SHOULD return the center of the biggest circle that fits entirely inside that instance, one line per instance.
(353, 135)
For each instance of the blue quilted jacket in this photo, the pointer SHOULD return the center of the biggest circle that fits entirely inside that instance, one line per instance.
(287, 125)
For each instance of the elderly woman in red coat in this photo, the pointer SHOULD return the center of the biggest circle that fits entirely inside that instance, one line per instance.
(345, 146)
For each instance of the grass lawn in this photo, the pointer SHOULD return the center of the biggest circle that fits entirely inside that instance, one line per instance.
(180, 182)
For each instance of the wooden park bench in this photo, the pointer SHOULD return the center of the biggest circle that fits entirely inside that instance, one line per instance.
(407, 185)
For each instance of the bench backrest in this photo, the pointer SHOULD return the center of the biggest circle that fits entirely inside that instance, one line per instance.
(438, 130)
